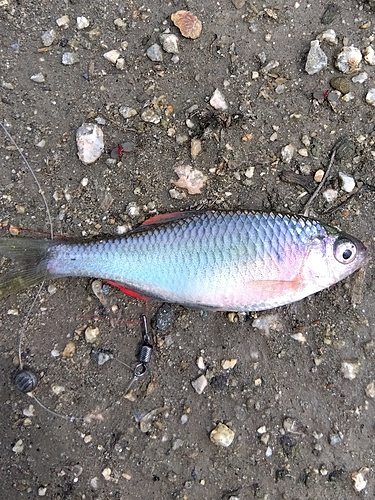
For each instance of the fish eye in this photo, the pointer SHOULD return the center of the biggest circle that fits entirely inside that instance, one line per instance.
(344, 251)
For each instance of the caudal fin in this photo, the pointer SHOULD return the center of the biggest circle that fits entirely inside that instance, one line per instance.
(31, 257)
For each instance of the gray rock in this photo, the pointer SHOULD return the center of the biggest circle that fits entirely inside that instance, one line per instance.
(316, 58)
(155, 53)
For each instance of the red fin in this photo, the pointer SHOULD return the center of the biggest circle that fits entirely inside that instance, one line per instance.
(127, 291)
(164, 218)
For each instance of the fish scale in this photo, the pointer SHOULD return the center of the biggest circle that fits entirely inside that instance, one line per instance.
(213, 259)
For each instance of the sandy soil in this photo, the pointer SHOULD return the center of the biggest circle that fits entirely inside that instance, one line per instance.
(301, 428)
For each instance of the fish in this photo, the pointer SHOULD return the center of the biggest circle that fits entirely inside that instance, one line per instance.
(218, 260)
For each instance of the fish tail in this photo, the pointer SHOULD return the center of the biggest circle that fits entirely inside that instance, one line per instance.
(31, 257)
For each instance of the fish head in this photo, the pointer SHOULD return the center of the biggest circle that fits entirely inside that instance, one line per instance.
(331, 258)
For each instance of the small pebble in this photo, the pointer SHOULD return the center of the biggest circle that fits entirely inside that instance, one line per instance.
(154, 53)
(18, 447)
(169, 43)
(112, 56)
(360, 78)
(120, 63)
(369, 55)
(82, 23)
(349, 59)
(150, 116)
(228, 364)
(299, 337)
(335, 439)
(195, 148)
(330, 195)
(328, 36)
(316, 58)
(348, 97)
(200, 384)
(29, 411)
(340, 83)
(69, 350)
(48, 37)
(222, 435)
(101, 356)
(184, 419)
(69, 58)
(200, 363)
(217, 101)
(90, 142)
(370, 390)
(347, 182)
(163, 317)
(266, 323)
(287, 153)
(370, 97)
(262, 429)
(318, 176)
(358, 478)
(42, 491)
(176, 195)
(57, 389)
(106, 473)
(63, 22)
(92, 335)
(133, 210)
(127, 112)
(38, 78)
(350, 369)
(188, 178)
(188, 24)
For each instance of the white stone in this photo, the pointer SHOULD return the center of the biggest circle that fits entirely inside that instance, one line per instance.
(222, 435)
(228, 364)
(370, 390)
(328, 36)
(199, 384)
(370, 97)
(330, 195)
(217, 101)
(350, 369)
(69, 58)
(358, 478)
(150, 116)
(127, 112)
(63, 22)
(169, 43)
(369, 55)
(48, 37)
(349, 59)
(90, 142)
(287, 153)
(347, 182)
(38, 78)
(92, 334)
(18, 447)
(82, 23)
(112, 56)
(360, 78)
(316, 58)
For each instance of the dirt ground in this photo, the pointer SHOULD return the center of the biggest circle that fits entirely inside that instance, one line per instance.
(301, 428)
